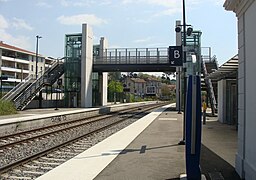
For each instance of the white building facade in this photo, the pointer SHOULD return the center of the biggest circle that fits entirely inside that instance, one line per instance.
(246, 154)
(16, 64)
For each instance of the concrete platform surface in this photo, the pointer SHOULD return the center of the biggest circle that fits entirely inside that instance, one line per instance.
(38, 112)
(91, 162)
(153, 155)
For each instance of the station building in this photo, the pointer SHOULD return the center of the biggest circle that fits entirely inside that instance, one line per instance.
(246, 154)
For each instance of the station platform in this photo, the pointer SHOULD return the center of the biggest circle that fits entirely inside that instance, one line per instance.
(37, 112)
(148, 150)
(36, 118)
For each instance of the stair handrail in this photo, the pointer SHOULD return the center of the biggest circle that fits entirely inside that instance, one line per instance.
(212, 93)
(214, 59)
(16, 88)
(27, 92)
(25, 81)
(53, 65)
(209, 83)
(33, 88)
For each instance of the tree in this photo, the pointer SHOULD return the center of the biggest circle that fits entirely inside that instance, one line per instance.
(114, 75)
(165, 90)
(115, 86)
(143, 76)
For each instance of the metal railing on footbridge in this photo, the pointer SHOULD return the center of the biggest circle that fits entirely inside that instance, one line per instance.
(133, 56)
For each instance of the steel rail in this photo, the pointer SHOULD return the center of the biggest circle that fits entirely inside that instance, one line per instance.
(24, 160)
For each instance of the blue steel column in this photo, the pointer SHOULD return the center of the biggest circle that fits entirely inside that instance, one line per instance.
(193, 128)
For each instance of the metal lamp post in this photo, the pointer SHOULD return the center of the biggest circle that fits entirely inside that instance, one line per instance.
(185, 33)
(182, 142)
(37, 38)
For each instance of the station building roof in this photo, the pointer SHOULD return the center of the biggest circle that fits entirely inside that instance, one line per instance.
(228, 70)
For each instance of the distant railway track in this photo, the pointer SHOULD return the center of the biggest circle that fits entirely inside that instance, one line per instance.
(18, 151)
(7, 141)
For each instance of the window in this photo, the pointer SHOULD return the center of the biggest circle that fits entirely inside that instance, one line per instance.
(32, 68)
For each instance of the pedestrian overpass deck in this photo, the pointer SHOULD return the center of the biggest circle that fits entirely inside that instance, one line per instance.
(133, 60)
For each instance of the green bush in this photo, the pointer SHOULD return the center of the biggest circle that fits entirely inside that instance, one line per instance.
(7, 108)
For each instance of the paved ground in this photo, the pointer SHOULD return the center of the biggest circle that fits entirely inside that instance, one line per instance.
(219, 146)
(155, 153)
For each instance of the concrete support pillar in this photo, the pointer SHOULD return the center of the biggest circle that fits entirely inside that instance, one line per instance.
(178, 73)
(103, 76)
(222, 93)
(241, 151)
(86, 66)
(1, 86)
(0, 61)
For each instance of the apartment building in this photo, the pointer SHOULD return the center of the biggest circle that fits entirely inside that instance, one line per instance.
(136, 86)
(144, 87)
(17, 64)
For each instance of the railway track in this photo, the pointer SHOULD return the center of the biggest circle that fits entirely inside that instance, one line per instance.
(30, 154)
(6, 141)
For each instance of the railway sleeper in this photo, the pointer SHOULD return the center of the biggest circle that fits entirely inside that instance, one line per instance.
(38, 167)
(31, 172)
(7, 176)
(47, 163)
(53, 159)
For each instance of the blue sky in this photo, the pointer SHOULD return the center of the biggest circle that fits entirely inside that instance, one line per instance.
(125, 23)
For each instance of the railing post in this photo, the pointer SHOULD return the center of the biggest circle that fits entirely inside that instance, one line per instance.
(110, 57)
(126, 56)
(147, 55)
(136, 55)
(129, 57)
(157, 55)
(120, 57)
(106, 55)
(116, 55)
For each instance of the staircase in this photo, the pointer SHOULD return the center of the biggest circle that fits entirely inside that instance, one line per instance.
(11, 95)
(25, 93)
(208, 85)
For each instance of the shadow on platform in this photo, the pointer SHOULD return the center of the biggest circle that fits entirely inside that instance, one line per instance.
(213, 165)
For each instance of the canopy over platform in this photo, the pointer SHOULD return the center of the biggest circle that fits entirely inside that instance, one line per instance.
(226, 71)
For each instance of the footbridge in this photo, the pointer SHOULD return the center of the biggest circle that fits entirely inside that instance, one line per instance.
(133, 60)
(111, 60)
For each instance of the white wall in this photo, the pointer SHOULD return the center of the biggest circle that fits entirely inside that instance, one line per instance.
(250, 88)
(246, 154)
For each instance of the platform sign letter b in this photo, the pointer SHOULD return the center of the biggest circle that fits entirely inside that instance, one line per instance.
(175, 55)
